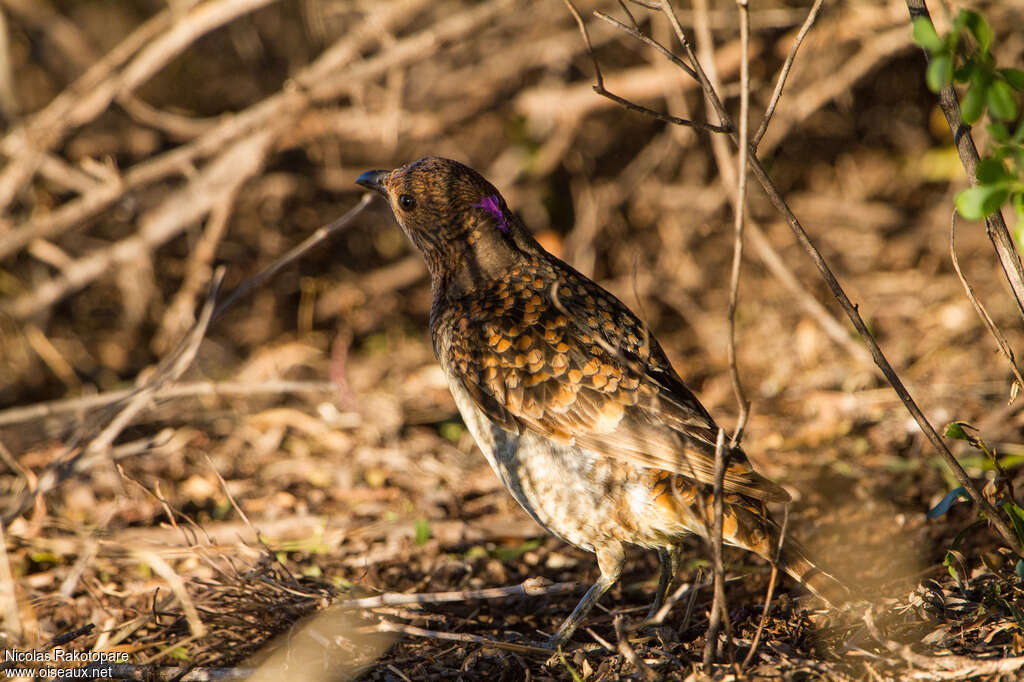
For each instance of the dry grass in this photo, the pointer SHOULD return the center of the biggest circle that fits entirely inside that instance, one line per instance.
(146, 143)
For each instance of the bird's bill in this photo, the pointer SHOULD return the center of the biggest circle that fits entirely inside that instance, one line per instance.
(374, 180)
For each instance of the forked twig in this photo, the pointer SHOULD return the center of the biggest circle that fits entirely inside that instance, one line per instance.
(601, 90)
(1004, 347)
(780, 83)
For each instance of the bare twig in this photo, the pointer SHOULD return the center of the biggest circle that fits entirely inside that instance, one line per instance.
(293, 254)
(1004, 347)
(1009, 257)
(944, 667)
(766, 252)
(532, 587)
(739, 206)
(390, 626)
(784, 74)
(718, 608)
(56, 408)
(601, 90)
(627, 650)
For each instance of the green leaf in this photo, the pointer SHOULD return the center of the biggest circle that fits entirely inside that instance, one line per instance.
(1015, 77)
(949, 562)
(940, 72)
(1001, 102)
(1018, 208)
(974, 103)
(925, 35)
(976, 203)
(1016, 515)
(1018, 135)
(422, 527)
(998, 131)
(991, 171)
(956, 431)
(979, 27)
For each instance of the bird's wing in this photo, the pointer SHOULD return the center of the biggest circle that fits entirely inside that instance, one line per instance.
(575, 365)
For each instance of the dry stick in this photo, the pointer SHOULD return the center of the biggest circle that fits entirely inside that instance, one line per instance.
(784, 74)
(600, 89)
(1009, 258)
(718, 608)
(56, 408)
(993, 515)
(944, 667)
(531, 587)
(629, 653)
(151, 57)
(1004, 347)
(390, 626)
(738, 212)
(292, 255)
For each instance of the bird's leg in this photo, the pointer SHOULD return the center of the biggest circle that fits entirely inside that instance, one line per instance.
(610, 559)
(669, 559)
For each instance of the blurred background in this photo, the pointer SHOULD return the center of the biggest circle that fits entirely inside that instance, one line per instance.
(145, 142)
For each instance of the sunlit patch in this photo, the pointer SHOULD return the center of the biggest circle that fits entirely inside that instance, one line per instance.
(491, 204)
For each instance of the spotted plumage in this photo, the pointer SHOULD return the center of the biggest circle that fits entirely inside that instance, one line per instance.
(568, 395)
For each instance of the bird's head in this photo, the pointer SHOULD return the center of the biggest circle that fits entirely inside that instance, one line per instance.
(453, 215)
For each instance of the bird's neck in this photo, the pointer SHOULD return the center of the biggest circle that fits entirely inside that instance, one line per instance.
(470, 268)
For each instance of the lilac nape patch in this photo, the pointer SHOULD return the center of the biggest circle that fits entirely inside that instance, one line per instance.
(493, 206)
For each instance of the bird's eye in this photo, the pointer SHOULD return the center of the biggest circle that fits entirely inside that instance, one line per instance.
(406, 202)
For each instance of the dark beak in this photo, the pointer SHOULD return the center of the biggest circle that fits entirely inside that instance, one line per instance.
(374, 180)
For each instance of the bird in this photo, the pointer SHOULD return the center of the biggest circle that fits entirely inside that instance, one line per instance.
(570, 397)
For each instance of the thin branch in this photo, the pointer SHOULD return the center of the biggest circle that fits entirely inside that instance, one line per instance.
(532, 587)
(1009, 257)
(738, 212)
(391, 626)
(1004, 347)
(718, 607)
(292, 255)
(649, 41)
(601, 90)
(56, 408)
(667, 118)
(629, 653)
(784, 74)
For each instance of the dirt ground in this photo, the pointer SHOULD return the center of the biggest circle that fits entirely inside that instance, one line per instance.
(311, 456)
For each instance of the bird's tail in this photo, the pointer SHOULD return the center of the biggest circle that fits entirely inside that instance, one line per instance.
(688, 507)
(747, 524)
